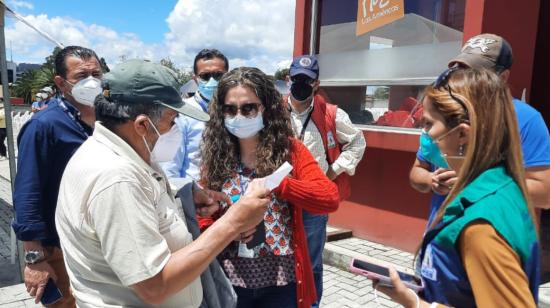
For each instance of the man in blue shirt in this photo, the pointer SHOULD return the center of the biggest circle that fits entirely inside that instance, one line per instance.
(493, 52)
(46, 143)
(208, 67)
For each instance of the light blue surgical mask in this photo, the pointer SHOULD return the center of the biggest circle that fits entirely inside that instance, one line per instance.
(207, 88)
(430, 150)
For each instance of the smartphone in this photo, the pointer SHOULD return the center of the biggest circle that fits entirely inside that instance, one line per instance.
(52, 294)
(258, 237)
(382, 274)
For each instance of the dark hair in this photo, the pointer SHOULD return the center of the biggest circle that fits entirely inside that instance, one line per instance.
(207, 54)
(220, 149)
(113, 113)
(74, 51)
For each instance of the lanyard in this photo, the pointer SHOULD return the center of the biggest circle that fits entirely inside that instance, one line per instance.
(76, 120)
(304, 125)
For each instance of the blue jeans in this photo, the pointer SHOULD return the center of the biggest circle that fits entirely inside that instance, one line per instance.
(316, 232)
(269, 297)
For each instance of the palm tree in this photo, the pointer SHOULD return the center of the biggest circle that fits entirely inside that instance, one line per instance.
(24, 86)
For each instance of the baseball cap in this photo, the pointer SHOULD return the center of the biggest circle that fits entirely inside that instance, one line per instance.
(142, 81)
(486, 50)
(47, 90)
(305, 65)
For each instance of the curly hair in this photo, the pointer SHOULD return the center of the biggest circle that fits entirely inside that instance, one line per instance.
(220, 149)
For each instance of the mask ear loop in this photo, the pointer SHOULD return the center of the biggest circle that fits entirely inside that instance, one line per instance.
(143, 137)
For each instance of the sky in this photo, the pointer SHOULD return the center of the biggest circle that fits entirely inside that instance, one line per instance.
(256, 33)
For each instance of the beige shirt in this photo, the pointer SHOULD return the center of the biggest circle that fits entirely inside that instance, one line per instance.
(347, 134)
(118, 224)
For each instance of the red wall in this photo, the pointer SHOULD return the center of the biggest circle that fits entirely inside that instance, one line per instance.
(517, 22)
(383, 207)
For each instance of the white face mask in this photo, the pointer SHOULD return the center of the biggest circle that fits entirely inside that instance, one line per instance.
(86, 90)
(167, 145)
(243, 127)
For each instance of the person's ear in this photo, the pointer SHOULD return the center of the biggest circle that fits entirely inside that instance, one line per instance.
(504, 75)
(464, 133)
(141, 125)
(61, 84)
(316, 84)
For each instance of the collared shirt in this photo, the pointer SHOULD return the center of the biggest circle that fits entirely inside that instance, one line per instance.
(46, 143)
(347, 134)
(118, 224)
(186, 163)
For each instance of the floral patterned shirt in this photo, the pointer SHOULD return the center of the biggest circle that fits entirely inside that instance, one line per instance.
(272, 262)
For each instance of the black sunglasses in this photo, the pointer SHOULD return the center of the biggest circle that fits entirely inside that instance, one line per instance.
(207, 75)
(248, 110)
(443, 82)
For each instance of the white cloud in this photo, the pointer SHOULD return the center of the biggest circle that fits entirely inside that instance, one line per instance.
(29, 46)
(18, 4)
(249, 32)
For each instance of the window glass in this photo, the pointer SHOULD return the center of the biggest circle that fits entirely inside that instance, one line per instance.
(377, 76)
(388, 105)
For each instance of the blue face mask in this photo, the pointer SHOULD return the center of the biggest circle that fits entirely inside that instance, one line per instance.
(431, 152)
(207, 88)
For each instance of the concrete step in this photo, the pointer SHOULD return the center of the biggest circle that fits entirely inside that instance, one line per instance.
(336, 234)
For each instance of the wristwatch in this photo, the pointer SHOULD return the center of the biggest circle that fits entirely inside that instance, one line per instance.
(34, 256)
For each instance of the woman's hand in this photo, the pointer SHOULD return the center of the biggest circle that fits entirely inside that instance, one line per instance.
(443, 181)
(399, 293)
(207, 202)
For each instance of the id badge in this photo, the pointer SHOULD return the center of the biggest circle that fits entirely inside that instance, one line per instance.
(244, 252)
(331, 143)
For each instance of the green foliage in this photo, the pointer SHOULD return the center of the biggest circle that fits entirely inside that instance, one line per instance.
(281, 74)
(182, 75)
(24, 87)
(33, 81)
(382, 93)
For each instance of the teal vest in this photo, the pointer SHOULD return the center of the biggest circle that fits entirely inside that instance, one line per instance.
(495, 198)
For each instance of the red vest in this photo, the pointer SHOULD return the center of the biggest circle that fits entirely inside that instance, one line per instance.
(324, 117)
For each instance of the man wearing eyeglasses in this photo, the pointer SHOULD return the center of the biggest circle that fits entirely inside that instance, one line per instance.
(492, 52)
(332, 139)
(208, 68)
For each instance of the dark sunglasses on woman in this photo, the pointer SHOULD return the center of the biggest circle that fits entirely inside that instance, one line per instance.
(249, 110)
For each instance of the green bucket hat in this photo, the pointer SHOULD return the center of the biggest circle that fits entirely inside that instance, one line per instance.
(142, 81)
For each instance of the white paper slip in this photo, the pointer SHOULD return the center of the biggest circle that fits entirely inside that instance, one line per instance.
(273, 180)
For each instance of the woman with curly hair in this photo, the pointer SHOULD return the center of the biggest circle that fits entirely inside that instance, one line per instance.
(249, 136)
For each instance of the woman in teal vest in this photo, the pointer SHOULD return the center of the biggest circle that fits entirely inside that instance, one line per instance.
(482, 248)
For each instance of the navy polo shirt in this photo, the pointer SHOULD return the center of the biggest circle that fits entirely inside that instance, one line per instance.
(46, 143)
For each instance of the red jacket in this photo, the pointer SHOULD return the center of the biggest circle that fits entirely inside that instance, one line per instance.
(308, 188)
(324, 117)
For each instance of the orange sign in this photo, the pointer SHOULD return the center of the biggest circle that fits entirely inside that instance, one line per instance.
(372, 14)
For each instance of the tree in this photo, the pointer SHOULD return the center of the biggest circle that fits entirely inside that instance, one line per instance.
(183, 76)
(282, 73)
(24, 87)
(31, 82)
(382, 93)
